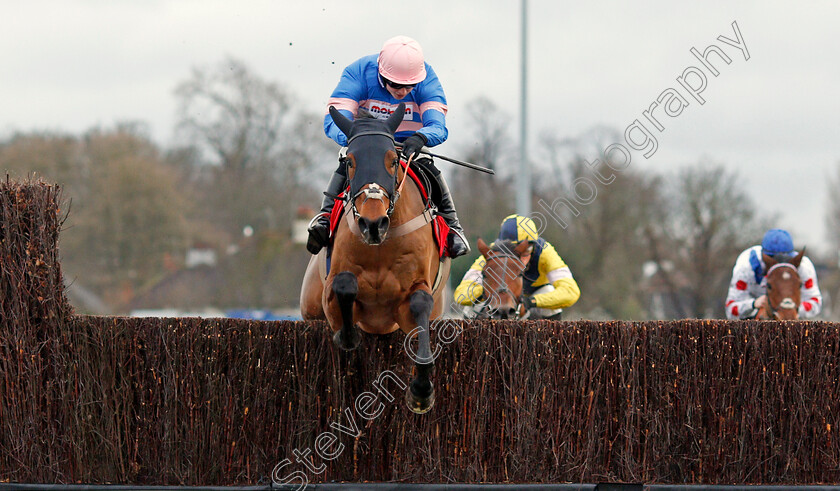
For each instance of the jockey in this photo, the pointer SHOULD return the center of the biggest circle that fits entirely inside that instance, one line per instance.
(547, 284)
(748, 286)
(376, 84)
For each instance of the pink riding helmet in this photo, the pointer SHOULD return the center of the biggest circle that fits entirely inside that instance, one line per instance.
(401, 61)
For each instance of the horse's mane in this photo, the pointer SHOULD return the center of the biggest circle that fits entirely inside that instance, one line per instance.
(365, 114)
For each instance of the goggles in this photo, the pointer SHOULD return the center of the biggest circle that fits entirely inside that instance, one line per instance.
(398, 86)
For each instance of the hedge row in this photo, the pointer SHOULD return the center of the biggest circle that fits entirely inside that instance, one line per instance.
(201, 401)
(31, 289)
(223, 401)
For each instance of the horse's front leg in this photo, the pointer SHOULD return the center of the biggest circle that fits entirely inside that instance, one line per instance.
(420, 395)
(339, 310)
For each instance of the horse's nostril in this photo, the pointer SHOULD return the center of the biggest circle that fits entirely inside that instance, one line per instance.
(364, 225)
(373, 230)
(382, 225)
(511, 312)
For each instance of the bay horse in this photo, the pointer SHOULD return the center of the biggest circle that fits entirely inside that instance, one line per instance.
(784, 289)
(502, 279)
(386, 272)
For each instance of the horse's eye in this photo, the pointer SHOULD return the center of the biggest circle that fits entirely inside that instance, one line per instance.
(769, 287)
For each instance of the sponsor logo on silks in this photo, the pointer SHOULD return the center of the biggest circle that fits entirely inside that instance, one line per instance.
(386, 111)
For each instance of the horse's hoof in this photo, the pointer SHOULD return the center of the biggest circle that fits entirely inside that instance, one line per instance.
(419, 405)
(347, 343)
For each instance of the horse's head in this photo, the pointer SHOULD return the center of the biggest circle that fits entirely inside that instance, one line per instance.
(784, 287)
(504, 266)
(372, 168)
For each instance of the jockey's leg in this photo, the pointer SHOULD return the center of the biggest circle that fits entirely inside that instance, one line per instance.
(457, 239)
(319, 227)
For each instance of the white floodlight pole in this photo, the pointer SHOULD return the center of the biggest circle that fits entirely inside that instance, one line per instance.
(523, 177)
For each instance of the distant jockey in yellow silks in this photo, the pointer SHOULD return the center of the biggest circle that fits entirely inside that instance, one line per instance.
(548, 284)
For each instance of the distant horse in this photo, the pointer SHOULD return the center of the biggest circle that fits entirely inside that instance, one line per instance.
(784, 289)
(504, 267)
(386, 270)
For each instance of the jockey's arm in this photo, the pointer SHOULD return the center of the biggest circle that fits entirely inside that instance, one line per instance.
(739, 300)
(433, 108)
(811, 298)
(471, 288)
(566, 290)
(434, 126)
(345, 97)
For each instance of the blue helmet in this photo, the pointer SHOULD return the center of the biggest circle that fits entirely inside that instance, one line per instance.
(777, 242)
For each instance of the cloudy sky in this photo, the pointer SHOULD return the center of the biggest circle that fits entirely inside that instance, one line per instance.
(774, 118)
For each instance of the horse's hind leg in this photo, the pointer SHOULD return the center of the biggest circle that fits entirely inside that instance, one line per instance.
(345, 286)
(420, 395)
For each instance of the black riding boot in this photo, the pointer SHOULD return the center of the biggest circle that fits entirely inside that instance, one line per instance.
(457, 240)
(319, 227)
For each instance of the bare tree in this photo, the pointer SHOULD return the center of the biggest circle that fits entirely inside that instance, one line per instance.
(130, 219)
(233, 114)
(482, 200)
(602, 239)
(261, 147)
(709, 219)
(490, 135)
(54, 157)
(596, 215)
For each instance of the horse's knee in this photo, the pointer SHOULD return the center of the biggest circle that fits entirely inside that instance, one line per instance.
(421, 303)
(345, 286)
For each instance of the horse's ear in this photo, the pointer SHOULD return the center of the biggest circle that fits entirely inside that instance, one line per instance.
(340, 120)
(769, 261)
(483, 248)
(522, 248)
(396, 117)
(798, 259)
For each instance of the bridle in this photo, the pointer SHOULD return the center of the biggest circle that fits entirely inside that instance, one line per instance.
(787, 303)
(503, 284)
(373, 190)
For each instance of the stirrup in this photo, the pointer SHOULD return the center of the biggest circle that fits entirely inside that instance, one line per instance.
(315, 220)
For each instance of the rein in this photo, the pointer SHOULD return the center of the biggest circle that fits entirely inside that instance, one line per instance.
(405, 175)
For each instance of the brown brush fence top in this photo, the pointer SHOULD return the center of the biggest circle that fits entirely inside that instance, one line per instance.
(193, 401)
(203, 401)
